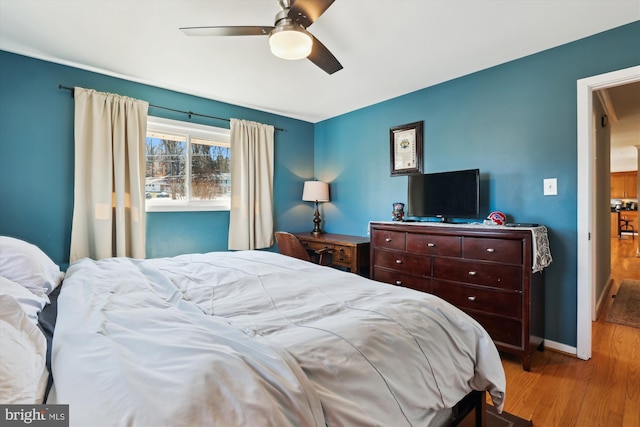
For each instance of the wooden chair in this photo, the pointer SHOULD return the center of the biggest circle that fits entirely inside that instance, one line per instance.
(290, 245)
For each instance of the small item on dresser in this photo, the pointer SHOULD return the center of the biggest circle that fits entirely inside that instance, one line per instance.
(521, 224)
(398, 211)
(497, 218)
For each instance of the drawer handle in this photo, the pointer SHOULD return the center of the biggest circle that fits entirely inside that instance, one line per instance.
(473, 273)
(491, 250)
(471, 298)
(341, 259)
(341, 249)
(431, 245)
(398, 282)
(398, 261)
(388, 239)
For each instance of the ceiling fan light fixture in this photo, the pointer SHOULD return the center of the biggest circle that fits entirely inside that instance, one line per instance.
(290, 42)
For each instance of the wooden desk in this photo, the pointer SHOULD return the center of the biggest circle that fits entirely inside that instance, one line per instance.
(351, 252)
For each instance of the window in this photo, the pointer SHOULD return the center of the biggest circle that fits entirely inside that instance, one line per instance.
(187, 166)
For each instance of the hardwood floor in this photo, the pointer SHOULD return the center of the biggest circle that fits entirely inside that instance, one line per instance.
(563, 391)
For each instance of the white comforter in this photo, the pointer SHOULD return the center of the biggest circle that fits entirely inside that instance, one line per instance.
(258, 339)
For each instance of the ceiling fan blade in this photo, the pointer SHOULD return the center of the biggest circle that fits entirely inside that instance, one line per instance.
(226, 31)
(305, 12)
(324, 59)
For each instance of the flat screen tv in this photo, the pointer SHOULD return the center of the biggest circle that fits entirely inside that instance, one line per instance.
(445, 195)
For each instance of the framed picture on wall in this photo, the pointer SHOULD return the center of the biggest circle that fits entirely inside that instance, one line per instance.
(406, 149)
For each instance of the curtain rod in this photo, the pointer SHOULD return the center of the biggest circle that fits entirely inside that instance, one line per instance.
(188, 113)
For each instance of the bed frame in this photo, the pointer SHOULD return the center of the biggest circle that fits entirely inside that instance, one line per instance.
(470, 411)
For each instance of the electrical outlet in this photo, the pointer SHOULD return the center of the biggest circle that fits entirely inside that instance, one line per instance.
(550, 186)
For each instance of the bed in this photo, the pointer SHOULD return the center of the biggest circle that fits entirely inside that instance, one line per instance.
(257, 338)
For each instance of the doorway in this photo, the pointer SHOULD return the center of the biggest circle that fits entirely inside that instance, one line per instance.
(587, 235)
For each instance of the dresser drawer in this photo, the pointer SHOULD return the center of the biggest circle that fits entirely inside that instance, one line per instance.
(498, 250)
(486, 300)
(400, 279)
(466, 271)
(419, 265)
(433, 244)
(389, 239)
(342, 255)
(501, 330)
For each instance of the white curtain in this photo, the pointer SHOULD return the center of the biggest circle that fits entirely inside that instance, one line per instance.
(108, 209)
(251, 216)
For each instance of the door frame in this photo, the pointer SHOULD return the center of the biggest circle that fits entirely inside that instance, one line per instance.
(586, 242)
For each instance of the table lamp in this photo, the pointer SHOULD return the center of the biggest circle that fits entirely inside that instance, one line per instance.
(316, 191)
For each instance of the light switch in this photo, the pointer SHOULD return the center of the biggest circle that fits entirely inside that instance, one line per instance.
(550, 186)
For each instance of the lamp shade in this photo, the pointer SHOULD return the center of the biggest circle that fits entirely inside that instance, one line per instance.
(315, 191)
(290, 42)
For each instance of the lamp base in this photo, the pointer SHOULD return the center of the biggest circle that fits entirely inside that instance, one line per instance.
(316, 222)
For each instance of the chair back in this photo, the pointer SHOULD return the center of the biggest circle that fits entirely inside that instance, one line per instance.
(290, 245)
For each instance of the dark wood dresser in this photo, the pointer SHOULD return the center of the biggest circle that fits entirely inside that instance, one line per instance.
(485, 271)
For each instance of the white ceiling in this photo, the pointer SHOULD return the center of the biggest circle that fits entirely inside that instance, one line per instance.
(387, 47)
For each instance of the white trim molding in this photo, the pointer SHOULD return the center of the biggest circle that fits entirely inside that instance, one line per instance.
(586, 208)
(556, 346)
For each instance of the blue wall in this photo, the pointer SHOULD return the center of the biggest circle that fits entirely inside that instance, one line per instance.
(515, 122)
(36, 159)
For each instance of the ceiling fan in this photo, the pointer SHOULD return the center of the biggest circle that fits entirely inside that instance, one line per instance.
(288, 38)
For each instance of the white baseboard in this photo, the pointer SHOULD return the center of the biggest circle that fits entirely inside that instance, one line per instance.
(562, 348)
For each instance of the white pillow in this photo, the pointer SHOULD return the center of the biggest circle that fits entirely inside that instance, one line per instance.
(23, 352)
(31, 303)
(28, 266)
